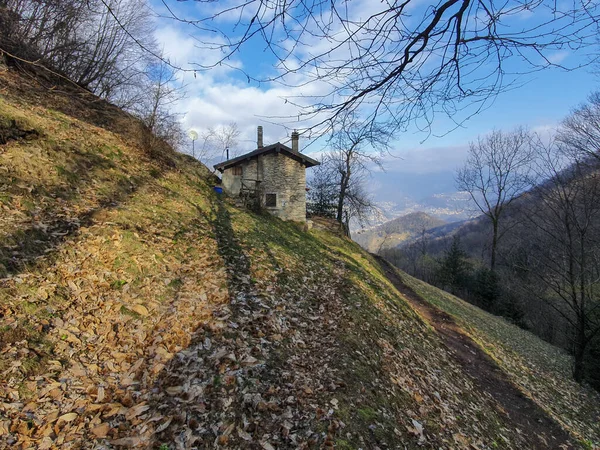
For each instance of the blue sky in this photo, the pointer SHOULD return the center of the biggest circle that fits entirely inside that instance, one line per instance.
(223, 95)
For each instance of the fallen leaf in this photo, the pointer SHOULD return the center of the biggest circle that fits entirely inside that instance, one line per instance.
(101, 430)
(136, 411)
(245, 436)
(69, 417)
(140, 309)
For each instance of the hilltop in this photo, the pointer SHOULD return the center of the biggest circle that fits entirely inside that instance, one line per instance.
(139, 309)
(397, 231)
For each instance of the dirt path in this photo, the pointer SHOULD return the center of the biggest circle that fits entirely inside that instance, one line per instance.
(539, 429)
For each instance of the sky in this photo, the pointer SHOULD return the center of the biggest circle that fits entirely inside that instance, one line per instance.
(224, 95)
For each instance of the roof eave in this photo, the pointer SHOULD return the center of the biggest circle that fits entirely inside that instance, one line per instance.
(277, 147)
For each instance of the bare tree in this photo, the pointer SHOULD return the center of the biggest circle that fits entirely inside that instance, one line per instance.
(204, 151)
(497, 171)
(162, 92)
(338, 186)
(384, 243)
(580, 131)
(358, 204)
(355, 148)
(102, 45)
(564, 247)
(223, 140)
(400, 61)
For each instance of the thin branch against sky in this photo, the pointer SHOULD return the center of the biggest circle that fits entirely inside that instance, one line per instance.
(402, 63)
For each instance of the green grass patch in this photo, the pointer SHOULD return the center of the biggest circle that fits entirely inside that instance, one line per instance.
(175, 283)
(367, 414)
(70, 177)
(128, 312)
(118, 284)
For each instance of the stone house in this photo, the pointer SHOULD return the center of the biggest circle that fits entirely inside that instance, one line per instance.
(274, 175)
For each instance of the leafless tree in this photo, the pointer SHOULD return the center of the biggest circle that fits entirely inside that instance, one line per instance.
(156, 108)
(39, 29)
(98, 44)
(497, 171)
(384, 242)
(336, 192)
(401, 61)
(564, 247)
(358, 204)
(355, 148)
(580, 131)
(338, 186)
(204, 150)
(222, 139)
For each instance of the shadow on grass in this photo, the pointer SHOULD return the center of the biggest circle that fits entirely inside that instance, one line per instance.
(237, 264)
(50, 226)
(214, 366)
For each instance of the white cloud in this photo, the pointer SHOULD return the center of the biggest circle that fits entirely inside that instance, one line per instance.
(217, 97)
(186, 52)
(176, 46)
(559, 57)
(214, 104)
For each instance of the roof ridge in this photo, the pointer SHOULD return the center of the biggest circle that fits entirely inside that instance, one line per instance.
(306, 160)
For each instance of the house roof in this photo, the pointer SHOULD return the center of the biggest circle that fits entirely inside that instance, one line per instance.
(278, 147)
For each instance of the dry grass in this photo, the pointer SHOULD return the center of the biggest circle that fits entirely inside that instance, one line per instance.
(541, 370)
(140, 310)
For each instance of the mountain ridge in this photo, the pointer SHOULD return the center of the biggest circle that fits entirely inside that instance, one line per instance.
(396, 231)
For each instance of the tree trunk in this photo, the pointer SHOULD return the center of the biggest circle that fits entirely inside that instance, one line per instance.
(579, 353)
(343, 188)
(494, 245)
(340, 205)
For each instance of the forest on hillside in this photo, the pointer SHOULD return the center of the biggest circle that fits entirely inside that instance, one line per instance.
(533, 256)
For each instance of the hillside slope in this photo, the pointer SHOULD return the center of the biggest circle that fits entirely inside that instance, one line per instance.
(542, 372)
(397, 231)
(140, 310)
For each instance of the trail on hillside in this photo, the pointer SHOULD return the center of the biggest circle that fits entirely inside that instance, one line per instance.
(537, 427)
(139, 310)
(247, 379)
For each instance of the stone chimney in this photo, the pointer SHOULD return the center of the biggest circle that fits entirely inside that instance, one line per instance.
(295, 138)
(259, 137)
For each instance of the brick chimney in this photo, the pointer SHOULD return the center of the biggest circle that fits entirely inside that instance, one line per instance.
(295, 138)
(259, 137)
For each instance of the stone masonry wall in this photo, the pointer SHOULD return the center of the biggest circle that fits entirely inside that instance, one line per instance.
(279, 175)
(285, 177)
(231, 183)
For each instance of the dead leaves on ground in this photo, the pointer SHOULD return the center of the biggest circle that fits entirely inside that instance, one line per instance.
(104, 345)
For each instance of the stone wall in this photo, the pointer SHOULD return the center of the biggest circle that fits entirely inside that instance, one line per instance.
(285, 177)
(252, 172)
(232, 184)
(278, 174)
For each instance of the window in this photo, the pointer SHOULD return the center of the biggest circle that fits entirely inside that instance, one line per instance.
(271, 200)
(237, 170)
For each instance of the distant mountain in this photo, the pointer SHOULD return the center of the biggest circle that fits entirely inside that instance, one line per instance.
(393, 233)
(447, 206)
